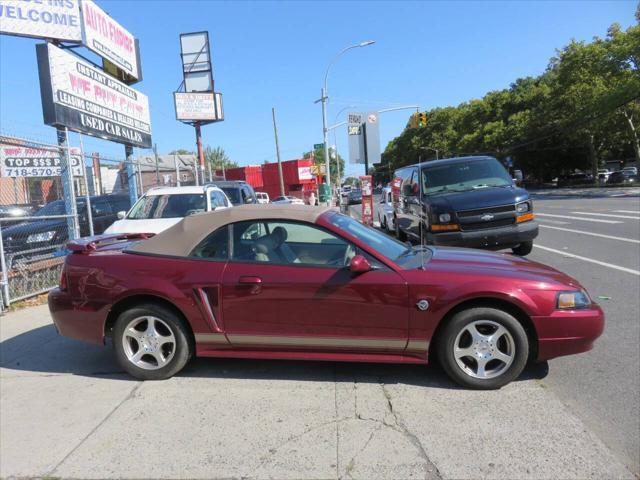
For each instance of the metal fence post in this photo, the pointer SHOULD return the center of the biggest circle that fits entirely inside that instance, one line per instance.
(66, 173)
(86, 185)
(4, 279)
(131, 174)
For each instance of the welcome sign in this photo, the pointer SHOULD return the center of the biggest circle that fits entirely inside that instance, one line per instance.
(58, 19)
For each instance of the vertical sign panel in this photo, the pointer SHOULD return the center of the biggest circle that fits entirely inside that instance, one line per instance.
(373, 137)
(354, 132)
(366, 182)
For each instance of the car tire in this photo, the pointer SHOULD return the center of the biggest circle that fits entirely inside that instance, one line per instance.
(151, 353)
(402, 236)
(383, 222)
(466, 343)
(523, 249)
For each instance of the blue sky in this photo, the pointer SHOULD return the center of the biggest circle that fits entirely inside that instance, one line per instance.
(273, 54)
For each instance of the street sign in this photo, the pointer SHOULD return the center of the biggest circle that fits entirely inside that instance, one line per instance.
(318, 146)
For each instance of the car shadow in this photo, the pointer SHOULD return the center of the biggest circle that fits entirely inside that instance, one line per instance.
(43, 351)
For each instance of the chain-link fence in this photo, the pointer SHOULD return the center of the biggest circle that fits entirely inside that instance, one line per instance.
(37, 216)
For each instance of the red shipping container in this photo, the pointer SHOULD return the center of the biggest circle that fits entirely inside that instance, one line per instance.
(251, 174)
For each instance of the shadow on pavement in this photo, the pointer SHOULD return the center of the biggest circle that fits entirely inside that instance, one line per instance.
(43, 351)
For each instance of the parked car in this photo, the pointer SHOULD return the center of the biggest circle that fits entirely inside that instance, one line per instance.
(288, 199)
(631, 170)
(603, 175)
(262, 197)
(464, 202)
(385, 210)
(310, 283)
(575, 179)
(9, 212)
(622, 177)
(239, 192)
(162, 207)
(354, 196)
(39, 238)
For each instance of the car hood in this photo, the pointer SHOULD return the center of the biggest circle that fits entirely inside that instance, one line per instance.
(27, 228)
(153, 225)
(479, 198)
(469, 261)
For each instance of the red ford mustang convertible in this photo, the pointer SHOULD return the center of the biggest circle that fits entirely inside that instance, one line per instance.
(307, 283)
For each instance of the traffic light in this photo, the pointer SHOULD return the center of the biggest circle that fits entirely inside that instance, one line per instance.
(422, 119)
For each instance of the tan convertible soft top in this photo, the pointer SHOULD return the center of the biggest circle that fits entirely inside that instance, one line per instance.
(180, 239)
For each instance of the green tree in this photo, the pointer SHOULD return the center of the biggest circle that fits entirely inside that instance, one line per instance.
(318, 157)
(181, 152)
(218, 158)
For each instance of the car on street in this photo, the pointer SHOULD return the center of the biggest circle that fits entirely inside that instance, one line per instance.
(262, 197)
(287, 199)
(603, 175)
(239, 192)
(41, 236)
(161, 207)
(573, 179)
(386, 211)
(622, 177)
(631, 170)
(463, 202)
(309, 283)
(354, 196)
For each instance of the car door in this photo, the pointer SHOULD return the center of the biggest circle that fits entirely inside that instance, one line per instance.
(102, 215)
(299, 294)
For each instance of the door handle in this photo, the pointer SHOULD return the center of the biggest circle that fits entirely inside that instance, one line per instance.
(250, 280)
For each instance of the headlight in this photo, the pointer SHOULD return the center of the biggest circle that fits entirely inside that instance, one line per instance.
(41, 237)
(523, 207)
(444, 218)
(570, 300)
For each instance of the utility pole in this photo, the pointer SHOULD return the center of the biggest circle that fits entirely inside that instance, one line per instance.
(155, 153)
(275, 132)
(200, 154)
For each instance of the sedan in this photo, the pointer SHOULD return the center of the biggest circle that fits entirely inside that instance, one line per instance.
(288, 200)
(622, 177)
(308, 283)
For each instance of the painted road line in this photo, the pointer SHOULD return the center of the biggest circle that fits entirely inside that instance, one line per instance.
(557, 222)
(610, 237)
(637, 212)
(590, 260)
(598, 220)
(606, 215)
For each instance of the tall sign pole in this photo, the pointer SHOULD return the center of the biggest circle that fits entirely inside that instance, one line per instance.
(275, 132)
(200, 154)
(67, 184)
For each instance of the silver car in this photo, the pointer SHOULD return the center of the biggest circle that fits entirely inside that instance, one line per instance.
(385, 210)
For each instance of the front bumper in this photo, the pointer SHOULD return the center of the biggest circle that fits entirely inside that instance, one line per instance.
(568, 332)
(492, 238)
(82, 321)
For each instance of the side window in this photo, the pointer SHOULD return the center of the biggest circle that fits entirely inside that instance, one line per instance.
(246, 195)
(216, 199)
(406, 187)
(289, 243)
(222, 200)
(214, 247)
(100, 207)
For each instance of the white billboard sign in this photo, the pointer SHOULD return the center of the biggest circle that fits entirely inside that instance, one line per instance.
(59, 20)
(81, 97)
(19, 161)
(304, 173)
(198, 106)
(107, 38)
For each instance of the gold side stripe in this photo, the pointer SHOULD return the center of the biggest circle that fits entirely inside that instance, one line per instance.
(211, 338)
(421, 345)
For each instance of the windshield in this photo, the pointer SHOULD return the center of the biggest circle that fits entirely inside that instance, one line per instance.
(398, 252)
(233, 194)
(462, 176)
(168, 206)
(57, 208)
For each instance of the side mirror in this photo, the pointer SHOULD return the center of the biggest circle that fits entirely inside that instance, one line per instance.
(359, 264)
(407, 191)
(121, 214)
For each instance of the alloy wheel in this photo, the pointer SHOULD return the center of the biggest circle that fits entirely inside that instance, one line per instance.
(148, 343)
(484, 349)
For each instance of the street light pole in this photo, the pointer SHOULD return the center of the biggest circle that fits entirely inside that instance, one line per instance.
(323, 99)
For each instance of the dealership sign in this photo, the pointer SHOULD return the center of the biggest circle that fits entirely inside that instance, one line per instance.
(81, 97)
(107, 38)
(59, 20)
(198, 106)
(17, 161)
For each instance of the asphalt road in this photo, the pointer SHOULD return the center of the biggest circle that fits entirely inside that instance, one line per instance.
(594, 236)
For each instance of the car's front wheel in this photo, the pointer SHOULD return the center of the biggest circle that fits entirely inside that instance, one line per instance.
(151, 342)
(523, 249)
(483, 348)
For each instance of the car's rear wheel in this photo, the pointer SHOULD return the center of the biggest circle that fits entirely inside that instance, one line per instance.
(523, 249)
(483, 348)
(151, 342)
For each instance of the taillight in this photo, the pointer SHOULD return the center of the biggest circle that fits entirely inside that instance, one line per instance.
(62, 284)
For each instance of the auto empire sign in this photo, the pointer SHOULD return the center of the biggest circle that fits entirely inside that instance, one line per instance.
(36, 162)
(79, 96)
(109, 39)
(59, 19)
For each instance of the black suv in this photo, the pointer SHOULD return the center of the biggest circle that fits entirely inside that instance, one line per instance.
(40, 238)
(239, 192)
(465, 202)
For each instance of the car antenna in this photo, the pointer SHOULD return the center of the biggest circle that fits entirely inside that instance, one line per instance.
(421, 203)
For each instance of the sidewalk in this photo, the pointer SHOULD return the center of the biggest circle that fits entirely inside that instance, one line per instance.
(67, 411)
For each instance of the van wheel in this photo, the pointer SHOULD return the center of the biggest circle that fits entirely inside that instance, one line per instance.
(151, 342)
(399, 233)
(483, 348)
(523, 249)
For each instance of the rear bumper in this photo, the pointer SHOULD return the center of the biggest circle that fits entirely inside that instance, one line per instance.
(568, 332)
(503, 237)
(82, 321)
